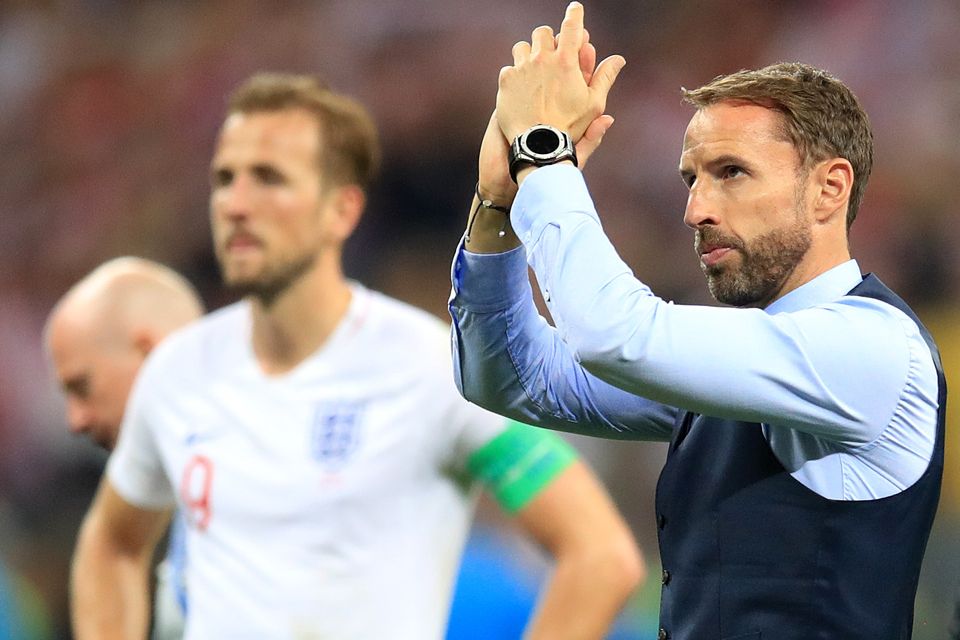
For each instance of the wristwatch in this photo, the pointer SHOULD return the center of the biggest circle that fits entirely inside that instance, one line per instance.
(540, 145)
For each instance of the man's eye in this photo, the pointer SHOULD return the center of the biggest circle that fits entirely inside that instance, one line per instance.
(221, 178)
(268, 175)
(732, 171)
(78, 388)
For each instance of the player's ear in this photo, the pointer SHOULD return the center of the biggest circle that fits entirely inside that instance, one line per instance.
(345, 209)
(144, 341)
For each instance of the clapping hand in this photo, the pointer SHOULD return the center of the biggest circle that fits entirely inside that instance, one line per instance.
(552, 80)
(529, 77)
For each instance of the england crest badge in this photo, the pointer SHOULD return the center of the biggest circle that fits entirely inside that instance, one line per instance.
(336, 433)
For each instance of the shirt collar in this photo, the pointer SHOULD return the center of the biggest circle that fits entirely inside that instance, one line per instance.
(827, 287)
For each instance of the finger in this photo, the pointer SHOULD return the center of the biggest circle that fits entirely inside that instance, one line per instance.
(586, 37)
(571, 30)
(541, 40)
(521, 52)
(606, 74)
(592, 138)
(588, 61)
(596, 129)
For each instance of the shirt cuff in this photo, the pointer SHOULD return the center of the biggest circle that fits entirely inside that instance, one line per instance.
(546, 196)
(486, 282)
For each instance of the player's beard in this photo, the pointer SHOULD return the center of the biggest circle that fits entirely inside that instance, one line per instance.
(273, 280)
(765, 262)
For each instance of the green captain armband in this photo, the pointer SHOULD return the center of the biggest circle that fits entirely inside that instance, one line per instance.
(517, 464)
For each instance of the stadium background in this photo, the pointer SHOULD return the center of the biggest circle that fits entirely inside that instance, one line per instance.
(108, 111)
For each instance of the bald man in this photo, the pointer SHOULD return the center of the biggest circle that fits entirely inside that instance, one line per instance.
(97, 337)
(102, 329)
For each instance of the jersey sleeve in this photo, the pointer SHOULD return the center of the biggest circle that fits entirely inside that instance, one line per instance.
(135, 469)
(519, 463)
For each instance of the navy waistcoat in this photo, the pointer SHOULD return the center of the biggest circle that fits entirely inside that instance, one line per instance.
(749, 552)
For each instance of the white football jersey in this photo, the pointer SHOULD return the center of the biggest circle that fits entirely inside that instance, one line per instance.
(329, 502)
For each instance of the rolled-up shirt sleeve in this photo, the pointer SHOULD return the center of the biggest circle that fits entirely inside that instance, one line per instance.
(508, 359)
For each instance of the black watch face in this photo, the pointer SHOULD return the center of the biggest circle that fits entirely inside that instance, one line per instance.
(543, 141)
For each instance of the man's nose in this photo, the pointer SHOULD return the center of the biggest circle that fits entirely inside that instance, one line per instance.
(700, 209)
(234, 200)
(79, 417)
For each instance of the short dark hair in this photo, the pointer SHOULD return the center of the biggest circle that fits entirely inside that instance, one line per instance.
(349, 145)
(822, 117)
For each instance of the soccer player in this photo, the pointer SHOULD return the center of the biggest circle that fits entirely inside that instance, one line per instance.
(805, 421)
(98, 336)
(311, 433)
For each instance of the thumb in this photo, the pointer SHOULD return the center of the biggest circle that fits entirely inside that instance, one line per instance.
(606, 74)
(592, 137)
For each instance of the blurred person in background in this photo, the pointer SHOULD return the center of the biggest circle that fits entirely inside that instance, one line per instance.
(98, 336)
(325, 464)
(806, 425)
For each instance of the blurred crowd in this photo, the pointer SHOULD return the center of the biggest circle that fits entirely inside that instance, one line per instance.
(109, 109)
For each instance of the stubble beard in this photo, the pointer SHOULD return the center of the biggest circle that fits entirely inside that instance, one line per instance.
(765, 263)
(272, 282)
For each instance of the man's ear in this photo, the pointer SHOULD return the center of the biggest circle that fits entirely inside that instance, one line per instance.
(834, 182)
(144, 340)
(345, 206)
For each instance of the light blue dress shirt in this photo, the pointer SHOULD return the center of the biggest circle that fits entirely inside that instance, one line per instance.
(844, 386)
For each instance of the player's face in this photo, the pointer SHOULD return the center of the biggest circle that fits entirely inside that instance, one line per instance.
(266, 200)
(745, 202)
(95, 377)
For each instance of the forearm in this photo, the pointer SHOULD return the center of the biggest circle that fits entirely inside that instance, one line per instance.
(109, 589)
(582, 599)
(816, 369)
(488, 225)
(110, 572)
(597, 561)
(510, 361)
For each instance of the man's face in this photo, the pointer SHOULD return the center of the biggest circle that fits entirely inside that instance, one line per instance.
(746, 202)
(96, 377)
(265, 200)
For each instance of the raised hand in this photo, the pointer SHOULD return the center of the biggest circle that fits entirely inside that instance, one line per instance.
(494, 174)
(553, 82)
